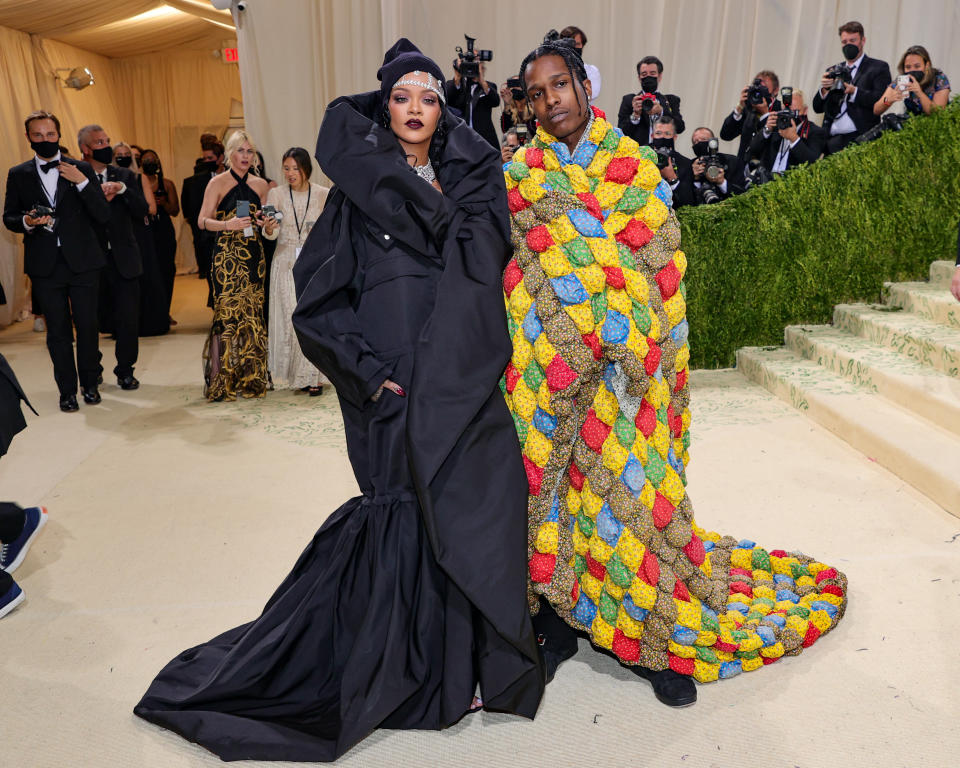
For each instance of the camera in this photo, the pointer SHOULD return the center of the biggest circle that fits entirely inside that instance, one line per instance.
(522, 133)
(39, 211)
(889, 122)
(241, 5)
(758, 93)
(649, 101)
(516, 88)
(714, 164)
(786, 116)
(841, 76)
(663, 157)
(269, 210)
(468, 62)
(755, 174)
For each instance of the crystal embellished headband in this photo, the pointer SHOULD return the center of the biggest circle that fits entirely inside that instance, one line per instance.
(431, 84)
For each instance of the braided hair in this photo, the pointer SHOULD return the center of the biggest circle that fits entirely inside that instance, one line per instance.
(565, 48)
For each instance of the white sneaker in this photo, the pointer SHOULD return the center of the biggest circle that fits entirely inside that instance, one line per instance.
(39, 326)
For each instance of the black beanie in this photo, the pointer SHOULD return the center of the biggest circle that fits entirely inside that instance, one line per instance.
(404, 57)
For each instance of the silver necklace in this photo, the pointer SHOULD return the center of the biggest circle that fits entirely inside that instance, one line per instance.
(426, 172)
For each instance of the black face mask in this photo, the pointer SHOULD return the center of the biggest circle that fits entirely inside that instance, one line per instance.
(150, 168)
(700, 148)
(45, 149)
(208, 166)
(103, 155)
(916, 74)
(851, 51)
(125, 162)
(649, 84)
(661, 143)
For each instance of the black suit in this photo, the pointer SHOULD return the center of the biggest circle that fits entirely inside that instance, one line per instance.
(640, 132)
(475, 107)
(683, 192)
(746, 128)
(871, 80)
(120, 280)
(729, 162)
(191, 201)
(807, 150)
(65, 276)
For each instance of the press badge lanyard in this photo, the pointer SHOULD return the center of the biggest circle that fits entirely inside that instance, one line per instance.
(296, 219)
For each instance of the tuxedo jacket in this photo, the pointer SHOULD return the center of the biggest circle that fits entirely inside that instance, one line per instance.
(76, 212)
(806, 150)
(684, 193)
(475, 106)
(640, 132)
(872, 79)
(125, 210)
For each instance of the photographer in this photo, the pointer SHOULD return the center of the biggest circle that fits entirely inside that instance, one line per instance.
(516, 110)
(473, 96)
(708, 172)
(788, 138)
(756, 101)
(579, 38)
(920, 87)
(511, 143)
(849, 91)
(639, 112)
(674, 167)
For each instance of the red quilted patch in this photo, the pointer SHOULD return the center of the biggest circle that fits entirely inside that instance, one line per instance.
(534, 157)
(662, 511)
(812, 634)
(575, 593)
(594, 431)
(779, 553)
(512, 276)
(559, 374)
(541, 567)
(668, 279)
(516, 201)
(829, 573)
(615, 277)
(576, 476)
(695, 551)
(646, 419)
(832, 589)
(593, 205)
(681, 380)
(539, 239)
(680, 591)
(649, 569)
(534, 476)
(767, 660)
(681, 666)
(727, 647)
(741, 572)
(513, 376)
(652, 360)
(625, 647)
(597, 570)
(741, 588)
(592, 341)
(621, 170)
(635, 235)
(599, 113)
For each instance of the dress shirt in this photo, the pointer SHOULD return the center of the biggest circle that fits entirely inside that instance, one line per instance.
(49, 180)
(593, 75)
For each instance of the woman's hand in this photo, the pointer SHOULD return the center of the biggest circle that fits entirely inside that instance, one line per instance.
(392, 386)
(234, 224)
(914, 86)
(268, 224)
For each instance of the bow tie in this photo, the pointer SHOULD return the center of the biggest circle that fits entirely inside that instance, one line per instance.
(47, 166)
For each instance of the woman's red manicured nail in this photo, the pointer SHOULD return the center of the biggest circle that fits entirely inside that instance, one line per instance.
(401, 392)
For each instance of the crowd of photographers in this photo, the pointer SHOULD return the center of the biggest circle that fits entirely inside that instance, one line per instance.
(858, 98)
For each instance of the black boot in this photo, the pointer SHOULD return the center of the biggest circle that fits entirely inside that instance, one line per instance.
(670, 688)
(557, 639)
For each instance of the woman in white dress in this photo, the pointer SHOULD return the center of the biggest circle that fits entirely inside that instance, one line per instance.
(300, 202)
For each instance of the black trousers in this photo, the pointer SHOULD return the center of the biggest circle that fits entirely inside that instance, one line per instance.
(12, 519)
(125, 295)
(69, 300)
(838, 142)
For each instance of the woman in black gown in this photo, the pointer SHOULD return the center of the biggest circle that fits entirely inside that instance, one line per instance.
(413, 594)
(161, 224)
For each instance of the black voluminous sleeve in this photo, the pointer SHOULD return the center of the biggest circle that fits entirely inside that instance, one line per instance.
(365, 161)
(327, 283)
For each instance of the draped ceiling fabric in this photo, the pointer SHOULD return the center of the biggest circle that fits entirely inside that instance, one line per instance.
(710, 48)
(158, 85)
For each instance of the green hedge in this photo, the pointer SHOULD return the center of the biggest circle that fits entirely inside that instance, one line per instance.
(824, 234)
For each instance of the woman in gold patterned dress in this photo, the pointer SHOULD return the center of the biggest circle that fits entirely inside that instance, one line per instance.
(235, 355)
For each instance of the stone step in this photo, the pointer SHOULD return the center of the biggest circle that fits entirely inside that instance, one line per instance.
(930, 301)
(920, 339)
(920, 453)
(941, 273)
(911, 385)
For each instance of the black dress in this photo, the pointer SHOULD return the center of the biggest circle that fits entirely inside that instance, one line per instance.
(414, 593)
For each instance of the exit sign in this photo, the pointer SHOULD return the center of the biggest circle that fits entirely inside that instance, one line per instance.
(231, 55)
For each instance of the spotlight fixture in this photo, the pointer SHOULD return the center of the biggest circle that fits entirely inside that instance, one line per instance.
(78, 78)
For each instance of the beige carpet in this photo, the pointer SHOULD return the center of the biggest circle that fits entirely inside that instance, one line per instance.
(172, 519)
